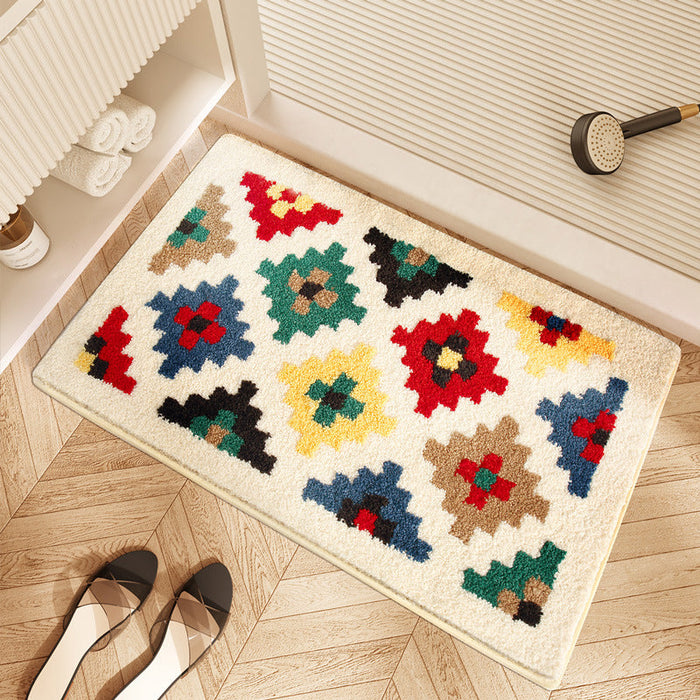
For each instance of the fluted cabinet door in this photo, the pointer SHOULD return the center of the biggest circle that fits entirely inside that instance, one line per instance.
(59, 69)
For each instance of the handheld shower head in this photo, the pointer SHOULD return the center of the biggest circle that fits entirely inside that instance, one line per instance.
(598, 139)
(597, 143)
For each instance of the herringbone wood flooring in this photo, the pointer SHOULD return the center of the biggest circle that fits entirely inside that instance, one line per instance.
(72, 496)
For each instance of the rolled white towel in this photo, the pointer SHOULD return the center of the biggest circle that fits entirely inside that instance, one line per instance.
(142, 119)
(109, 132)
(94, 173)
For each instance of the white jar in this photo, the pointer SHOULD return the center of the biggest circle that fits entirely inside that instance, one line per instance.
(22, 242)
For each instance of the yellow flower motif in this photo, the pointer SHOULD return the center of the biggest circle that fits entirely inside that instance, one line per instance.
(336, 399)
(551, 348)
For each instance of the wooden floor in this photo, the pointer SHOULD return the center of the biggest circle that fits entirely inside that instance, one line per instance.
(72, 496)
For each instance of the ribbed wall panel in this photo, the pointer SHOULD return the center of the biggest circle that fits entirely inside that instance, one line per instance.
(59, 69)
(491, 89)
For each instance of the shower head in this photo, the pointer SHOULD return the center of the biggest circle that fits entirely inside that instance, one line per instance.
(598, 139)
(597, 143)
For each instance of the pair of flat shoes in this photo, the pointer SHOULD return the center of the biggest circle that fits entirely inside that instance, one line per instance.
(197, 618)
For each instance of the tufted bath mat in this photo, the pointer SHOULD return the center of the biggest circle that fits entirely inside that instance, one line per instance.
(450, 429)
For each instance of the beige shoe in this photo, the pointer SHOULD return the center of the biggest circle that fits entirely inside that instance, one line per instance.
(197, 619)
(109, 599)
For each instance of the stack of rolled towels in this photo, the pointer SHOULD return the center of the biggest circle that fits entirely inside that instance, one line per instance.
(102, 155)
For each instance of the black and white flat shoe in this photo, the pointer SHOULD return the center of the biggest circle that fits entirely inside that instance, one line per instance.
(107, 601)
(196, 620)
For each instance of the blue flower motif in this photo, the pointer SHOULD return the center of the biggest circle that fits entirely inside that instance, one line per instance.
(200, 325)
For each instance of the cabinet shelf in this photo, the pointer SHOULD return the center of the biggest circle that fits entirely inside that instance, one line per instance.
(182, 86)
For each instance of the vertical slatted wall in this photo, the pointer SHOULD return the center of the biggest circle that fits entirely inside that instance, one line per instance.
(59, 68)
(491, 89)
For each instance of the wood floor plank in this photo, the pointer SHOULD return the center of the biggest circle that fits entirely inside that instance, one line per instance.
(157, 606)
(670, 464)
(45, 335)
(211, 130)
(38, 639)
(667, 534)
(326, 629)
(391, 693)
(66, 419)
(45, 438)
(102, 674)
(657, 572)
(679, 684)
(194, 149)
(181, 559)
(101, 489)
(115, 247)
(447, 672)
(38, 601)
(683, 398)
(18, 474)
(258, 568)
(660, 500)
(136, 221)
(689, 368)
(69, 304)
(677, 431)
(282, 549)
(175, 172)
(411, 678)
(318, 592)
(487, 677)
(632, 656)
(93, 275)
(525, 689)
(359, 691)
(16, 678)
(49, 330)
(88, 432)
(83, 524)
(28, 567)
(79, 458)
(634, 615)
(314, 671)
(306, 563)
(213, 542)
(156, 196)
(132, 646)
(4, 504)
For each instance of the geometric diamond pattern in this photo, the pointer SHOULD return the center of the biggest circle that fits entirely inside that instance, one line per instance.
(200, 235)
(448, 362)
(226, 421)
(309, 292)
(581, 427)
(549, 340)
(521, 590)
(200, 325)
(336, 399)
(484, 479)
(374, 503)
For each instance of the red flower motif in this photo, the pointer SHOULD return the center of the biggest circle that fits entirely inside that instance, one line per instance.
(284, 212)
(448, 362)
(596, 434)
(199, 324)
(483, 480)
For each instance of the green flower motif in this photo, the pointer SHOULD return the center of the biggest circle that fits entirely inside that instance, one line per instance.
(335, 400)
(189, 228)
(412, 260)
(310, 292)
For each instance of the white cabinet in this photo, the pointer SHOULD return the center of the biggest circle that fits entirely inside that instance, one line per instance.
(182, 81)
